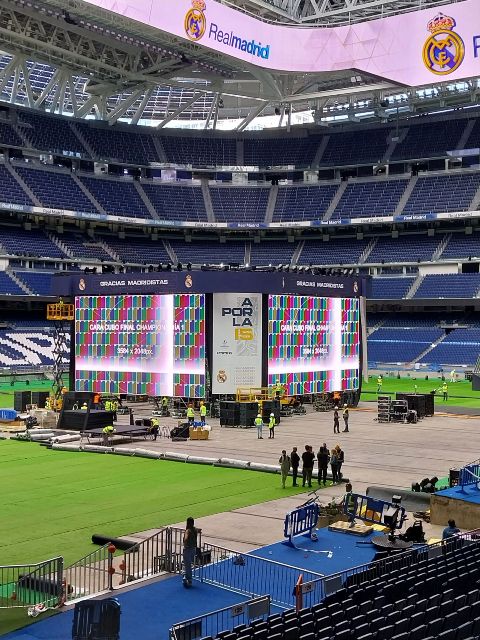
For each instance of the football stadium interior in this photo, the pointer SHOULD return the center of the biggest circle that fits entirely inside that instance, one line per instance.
(242, 211)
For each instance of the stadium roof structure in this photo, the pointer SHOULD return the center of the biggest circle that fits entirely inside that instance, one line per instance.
(73, 57)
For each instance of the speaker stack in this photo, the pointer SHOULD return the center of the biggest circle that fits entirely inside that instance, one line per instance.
(238, 414)
(21, 399)
(268, 407)
(419, 402)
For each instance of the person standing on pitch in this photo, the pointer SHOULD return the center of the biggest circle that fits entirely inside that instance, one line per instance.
(346, 415)
(203, 413)
(285, 463)
(334, 466)
(323, 457)
(271, 426)
(190, 415)
(445, 391)
(453, 376)
(336, 421)
(189, 550)
(379, 383)
(308, 458)
(340, 461)
(294, 461)
(259, 425)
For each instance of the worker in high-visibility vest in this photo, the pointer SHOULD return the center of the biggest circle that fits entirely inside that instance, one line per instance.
(445, 391)
(108, 405)
(203, 413)
(107, 431)
(259, 425)
(379, 383)
(154, 428)
(114, 409)
(190, 415)
(278, 390)
(84, 407)
(164, 406)
(271, 426)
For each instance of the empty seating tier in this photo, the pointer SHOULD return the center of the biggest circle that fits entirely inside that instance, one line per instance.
(303, 203)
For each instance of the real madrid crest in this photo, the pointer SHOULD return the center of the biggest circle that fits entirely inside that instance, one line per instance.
(195, 20)
(444, 50)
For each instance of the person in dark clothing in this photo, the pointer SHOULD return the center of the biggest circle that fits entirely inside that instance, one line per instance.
(323, 457)
(294, 461)
(336, 421)
(334, 466)
(308, 458)
(189, 550)
(340, 461)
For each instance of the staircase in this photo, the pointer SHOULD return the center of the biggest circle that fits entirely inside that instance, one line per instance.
(298, 252)
(320, 151)
(141, 192)
(21, 134)
(171, 253)
(88, 194)
(441, 246)
(465, 135)
(248, 253)
(106, 247)
(375, 327)
(207, 199)
(413, 289)
(336, 199)
(475, 204)
(59, 243)
(157, 143)
(82, 140)
(402, 134)
(430, 347)
(20, 283)
(23, 184)
(406, 195)
(272, 200)
(367, 251)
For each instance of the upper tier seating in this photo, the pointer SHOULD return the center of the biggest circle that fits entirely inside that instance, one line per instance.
(356, 147)
(117, 197)
(429, 139)
(50, 134)
(176, 203)
(342, 251)
(442, 193)
(404, 249)
(28, 347)
(283, 151)
(39, 283)
(81, 247)
(367, 199)
(462, 246)
(460, 347)
(55, 189)
(303, 203)
(138, 250)
(8, 136)
(19, 242)
(390, 288)
(209, 252)
(457, 285)
(271, 252)
(10, 190)
(240, 204)
(135, 146)
(9, 287)
(200, 152)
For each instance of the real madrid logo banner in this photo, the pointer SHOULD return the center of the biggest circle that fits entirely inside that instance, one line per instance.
(444, 51)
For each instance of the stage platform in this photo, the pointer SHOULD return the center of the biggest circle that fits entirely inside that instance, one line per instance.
(463, 507)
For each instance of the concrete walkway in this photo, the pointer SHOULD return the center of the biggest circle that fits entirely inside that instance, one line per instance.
(393, 455)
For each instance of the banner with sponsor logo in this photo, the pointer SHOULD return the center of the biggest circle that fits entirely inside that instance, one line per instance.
(415, 48)
(237, 341)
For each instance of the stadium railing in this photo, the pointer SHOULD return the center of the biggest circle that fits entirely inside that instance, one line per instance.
(29, 585)
(211, 624)
(90, 575)
(469, 475)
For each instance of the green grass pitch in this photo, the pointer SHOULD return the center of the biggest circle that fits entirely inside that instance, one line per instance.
(460, 394)
(54, 500)
(7, 390)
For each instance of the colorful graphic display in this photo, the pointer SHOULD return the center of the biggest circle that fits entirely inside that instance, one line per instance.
(313, 343)
(141, 344)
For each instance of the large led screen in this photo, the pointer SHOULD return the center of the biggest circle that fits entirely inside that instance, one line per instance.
(313, 343)
(141, 344)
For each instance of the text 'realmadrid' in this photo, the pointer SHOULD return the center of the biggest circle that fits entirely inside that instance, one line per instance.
(237, 42)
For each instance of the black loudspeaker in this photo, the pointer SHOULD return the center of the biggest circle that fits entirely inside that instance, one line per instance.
(429, 403)
(21, 399)
(39, 398)
(415, 401)
(268, 407)
(238, 414)
(453, 477)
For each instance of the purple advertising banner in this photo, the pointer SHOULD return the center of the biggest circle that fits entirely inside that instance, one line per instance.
(415, 48)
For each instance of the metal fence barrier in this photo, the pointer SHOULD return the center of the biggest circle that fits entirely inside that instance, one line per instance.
(90, 575)
(249, 574)
(211, 624)
(23, 585)
(469, 475)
